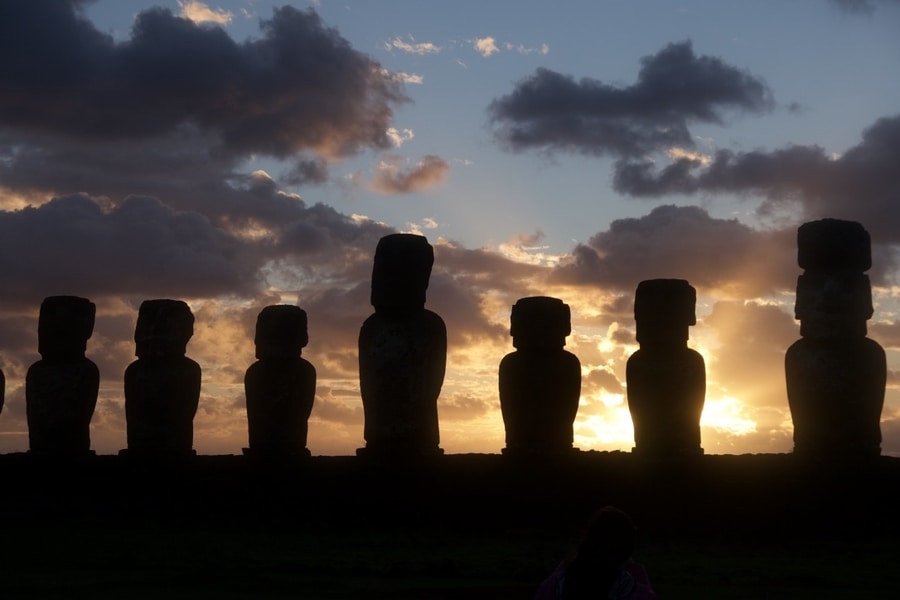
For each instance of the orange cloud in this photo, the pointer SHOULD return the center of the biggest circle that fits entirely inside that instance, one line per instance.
(392, 179)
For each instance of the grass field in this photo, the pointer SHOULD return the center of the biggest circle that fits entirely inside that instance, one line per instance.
(467, 526)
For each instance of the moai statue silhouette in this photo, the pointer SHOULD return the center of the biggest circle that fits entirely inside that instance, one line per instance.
(280, 386)
(402, 353)
(162, 387)
(835, 375)
(666, 380)
(61, 388)
(540, 382)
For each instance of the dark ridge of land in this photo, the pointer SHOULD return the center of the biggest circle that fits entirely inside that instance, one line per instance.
(459, 526)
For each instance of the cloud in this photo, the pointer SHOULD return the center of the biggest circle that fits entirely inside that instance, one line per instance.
(862, 184)
(749, 360)
(485, 46)
(602, 380)
(413, 47)
(138, 247)
(554, 112)
(418, 228)
(687, 243)
(393, 179)
(410, 78)
(543, 49)
(886, 333)
(463, 407)
(400, 137)
(307, 171)
(199, 12)
(265, 96)
(855, 6)
(528, 248)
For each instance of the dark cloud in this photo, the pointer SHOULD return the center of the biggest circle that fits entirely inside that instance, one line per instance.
(552, 111)
(321, 229)
(392, 179)
(459, 305)
(463, 407)
(865, 7)
(603, 379)
(178, 167)
(861, 185)
(459, 283)
(174, 110)
(300, 86)
(92, 247)
(19, 335)
(71, 245)
(637, 178)
(685, 243)
(307, 171)
(624, 336)
(327, 408)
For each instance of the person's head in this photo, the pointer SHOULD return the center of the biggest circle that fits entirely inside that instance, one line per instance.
(605, 547)
(608, 541)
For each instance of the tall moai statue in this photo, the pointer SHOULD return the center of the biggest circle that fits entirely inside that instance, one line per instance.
(835, 375)
(540, 382)
(61, 388)
(162, 387)
(280, 386)
(402, 353)
(666, 380)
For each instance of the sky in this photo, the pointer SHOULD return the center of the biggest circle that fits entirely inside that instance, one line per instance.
(236, 154)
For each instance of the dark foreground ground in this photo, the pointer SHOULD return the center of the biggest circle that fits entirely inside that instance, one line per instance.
(464, 526)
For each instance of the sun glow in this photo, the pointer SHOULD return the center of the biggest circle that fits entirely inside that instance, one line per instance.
(604, 422)
(727, 415)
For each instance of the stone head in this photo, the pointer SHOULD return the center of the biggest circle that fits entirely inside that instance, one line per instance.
(834, 296)
(281, 332)
(401, 271)
(65, 325)
(833, 244)
(164, 327)
(540, 322)
(833, 303)
(664, 309)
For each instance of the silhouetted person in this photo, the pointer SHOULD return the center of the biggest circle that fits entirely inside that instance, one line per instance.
(835, 375)
(162, 387)
(402, 353)
(601, 566)
(280, 386)
(666, 380)
(61, 388)
(540, 382)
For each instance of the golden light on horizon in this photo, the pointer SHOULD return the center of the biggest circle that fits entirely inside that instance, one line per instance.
(603, 421)
(727, 415)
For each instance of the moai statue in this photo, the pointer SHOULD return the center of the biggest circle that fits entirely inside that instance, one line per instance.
(61, 388)
(835, 375)
(666, 380)
(280, 386)
(402, 353)
(540, 382)
(162, 387)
